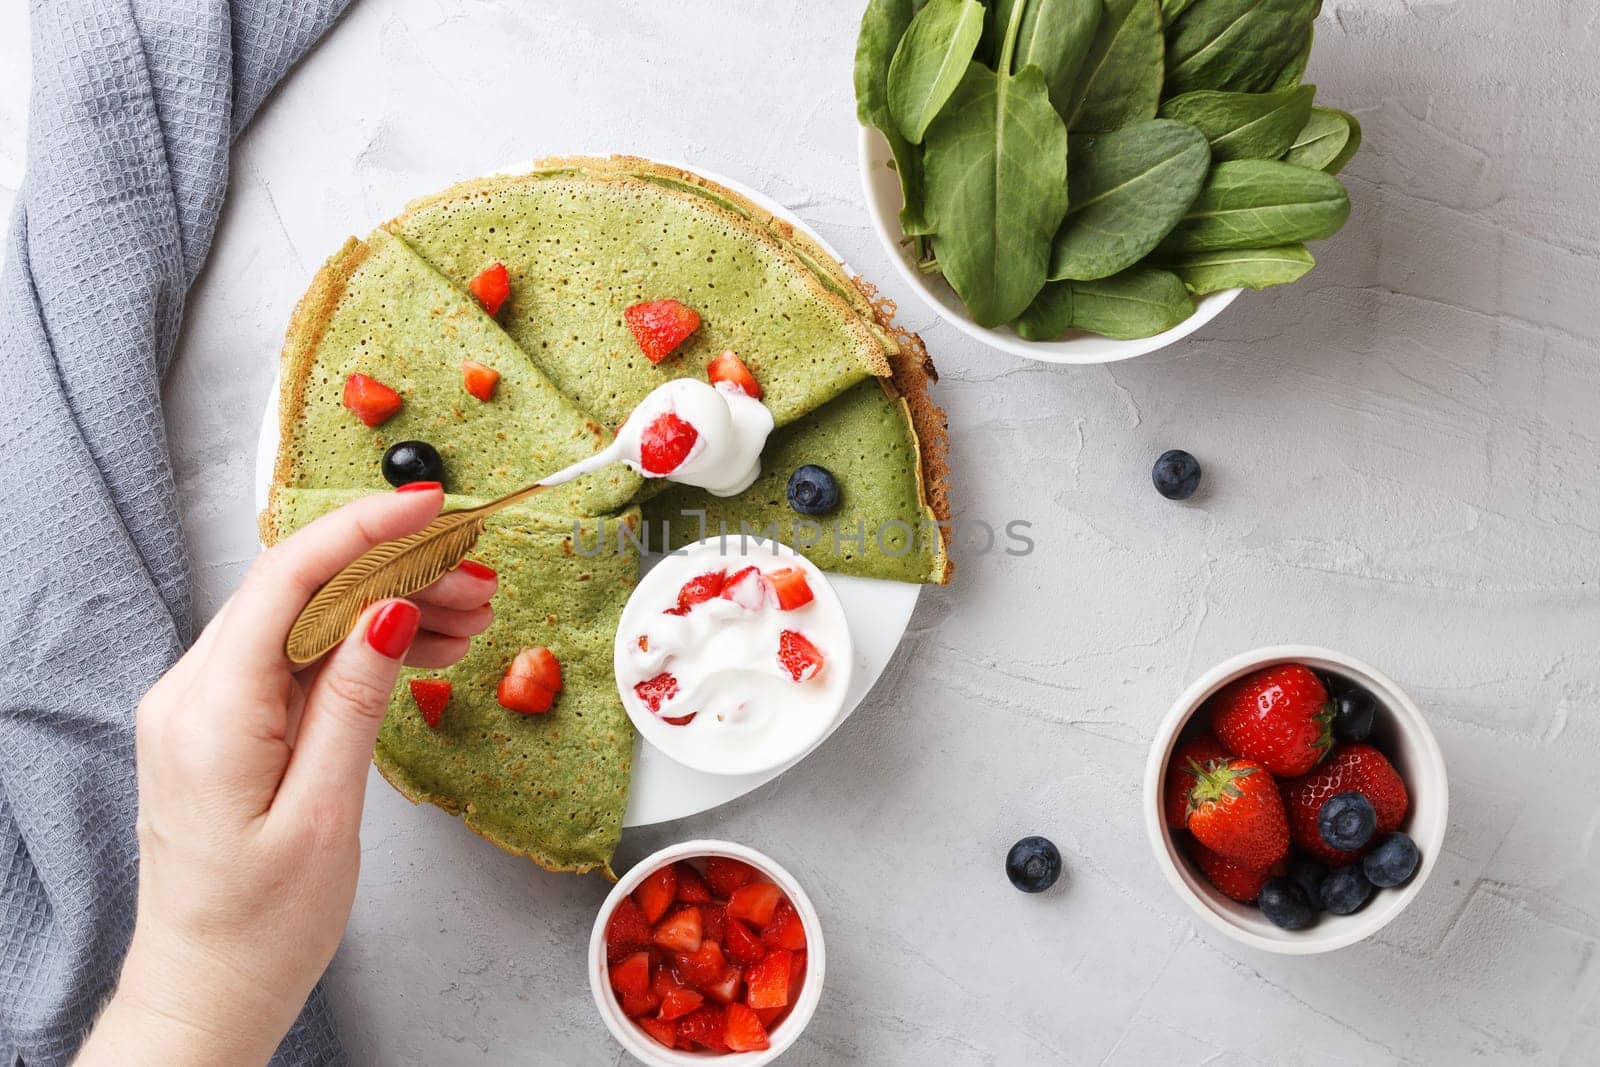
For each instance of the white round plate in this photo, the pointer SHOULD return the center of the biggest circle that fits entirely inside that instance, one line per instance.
(878, 612)
(881, 186)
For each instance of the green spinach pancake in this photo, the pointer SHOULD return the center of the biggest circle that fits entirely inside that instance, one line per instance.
(497, 321)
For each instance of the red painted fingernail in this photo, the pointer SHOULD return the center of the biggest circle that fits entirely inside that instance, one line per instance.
(476, 570)
(392, 629)
(418, 487)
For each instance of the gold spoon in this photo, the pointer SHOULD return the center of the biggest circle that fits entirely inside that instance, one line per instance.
(402, 567)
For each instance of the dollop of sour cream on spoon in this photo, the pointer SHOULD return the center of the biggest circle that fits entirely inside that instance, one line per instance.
(688, 431)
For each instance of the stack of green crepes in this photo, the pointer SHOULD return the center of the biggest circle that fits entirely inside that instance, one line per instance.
(1098, 164)
(583, 239)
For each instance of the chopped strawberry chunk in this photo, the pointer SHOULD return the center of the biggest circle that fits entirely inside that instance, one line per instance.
(714, 920)
(768, 981)
(701, 588)
(627, 931)
(664, 1032)
(725, 990)
(744, 947)
(431, 695)
(519, 693)
(743, 1030)
(479, 380)
(655, 893)
(373, 402)
(784, 931)
(678, 1002)
(703, 967)
(797, 973)
(692, 888)
(636, 1004)
(724, 875)
(680, 932)
(679, 720)
(540, 664)
(792, 588)
(747, 587)
(704, 1027)
(730, 369)
(755, 903)
(665, 443)
(491, 286)
(660, 326)
(768, 1016)
(656, 691)
(631, 977)
(798, 656)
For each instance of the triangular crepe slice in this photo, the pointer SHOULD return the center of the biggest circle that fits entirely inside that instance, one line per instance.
(885, 443)
(551, 787)
(378, 309)
(584, 239)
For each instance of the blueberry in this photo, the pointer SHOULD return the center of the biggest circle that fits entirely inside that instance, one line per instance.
(1176, 474)
(1033, 864)
(1393, 862)
(412, 461)
(1345, 890)
(1308, 874)
(1346, 821)
(1285, 904)
(813, 490)
(1353, 709)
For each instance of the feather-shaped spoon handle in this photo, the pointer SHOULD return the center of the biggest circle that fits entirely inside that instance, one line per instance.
(400, 568)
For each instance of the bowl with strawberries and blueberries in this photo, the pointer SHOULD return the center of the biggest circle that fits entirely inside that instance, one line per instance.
(1296, 798)
(706, 949)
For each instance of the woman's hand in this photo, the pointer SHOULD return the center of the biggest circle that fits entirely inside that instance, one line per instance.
(251, 782)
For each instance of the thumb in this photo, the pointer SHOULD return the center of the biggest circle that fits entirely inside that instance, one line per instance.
(344, 709)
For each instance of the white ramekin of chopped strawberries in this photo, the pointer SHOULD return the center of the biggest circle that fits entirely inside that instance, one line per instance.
(706, 949)
(1296, 799)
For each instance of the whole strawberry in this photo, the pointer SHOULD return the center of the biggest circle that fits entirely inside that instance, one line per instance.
(1175, 792)
(1280, 717)
(1357, 767)
(1235, 810)
(1232, 880)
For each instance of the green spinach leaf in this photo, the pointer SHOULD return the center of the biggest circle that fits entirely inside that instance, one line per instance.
(1327, 142)
(1291, 74)
(1049, 316)
(1140, 302)
(1242, 268)
(996, 170)
(1171, 9)
(1054, 36)
(1120, 82)
(1127, 189)
(1259, 203)
(1235, 45)
(882, 26)
(1244, 125)
(930, 61)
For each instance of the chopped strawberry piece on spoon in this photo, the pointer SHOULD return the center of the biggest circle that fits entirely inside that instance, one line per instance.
(666, 443)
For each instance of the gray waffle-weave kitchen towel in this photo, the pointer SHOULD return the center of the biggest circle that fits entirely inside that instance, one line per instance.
(134, 105)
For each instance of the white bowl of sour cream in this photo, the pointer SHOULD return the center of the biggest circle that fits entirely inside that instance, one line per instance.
(717, 665)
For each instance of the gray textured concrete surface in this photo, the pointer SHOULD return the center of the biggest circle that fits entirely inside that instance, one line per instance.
(1401, 463)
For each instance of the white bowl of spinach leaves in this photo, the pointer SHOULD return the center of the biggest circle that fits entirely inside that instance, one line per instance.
(1082, 181)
